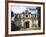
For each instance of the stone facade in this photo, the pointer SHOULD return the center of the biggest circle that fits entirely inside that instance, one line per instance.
(26, 20)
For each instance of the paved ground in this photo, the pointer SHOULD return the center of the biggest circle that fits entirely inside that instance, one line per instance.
(30, 29)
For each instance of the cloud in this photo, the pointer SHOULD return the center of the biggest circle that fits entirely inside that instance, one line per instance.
(20, 9)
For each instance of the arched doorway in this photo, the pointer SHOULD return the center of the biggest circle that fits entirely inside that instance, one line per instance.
(26, 24)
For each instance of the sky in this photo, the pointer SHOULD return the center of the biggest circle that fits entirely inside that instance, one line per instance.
(20, 9)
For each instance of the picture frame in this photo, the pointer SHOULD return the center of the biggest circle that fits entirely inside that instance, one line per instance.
(14, 5)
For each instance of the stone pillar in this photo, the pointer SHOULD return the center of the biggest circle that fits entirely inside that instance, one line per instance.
(22, 23)
(30, 24)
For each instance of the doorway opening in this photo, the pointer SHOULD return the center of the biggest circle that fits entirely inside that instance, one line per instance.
(27, 24)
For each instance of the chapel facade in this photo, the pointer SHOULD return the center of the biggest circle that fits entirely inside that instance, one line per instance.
(26, 20)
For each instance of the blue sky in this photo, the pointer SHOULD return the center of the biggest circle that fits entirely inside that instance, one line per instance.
(20, 9)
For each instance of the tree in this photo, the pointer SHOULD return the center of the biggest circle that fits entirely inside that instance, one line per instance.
(14, 27)
(11, 13)
(39, 11)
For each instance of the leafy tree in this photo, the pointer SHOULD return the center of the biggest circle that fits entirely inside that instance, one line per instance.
(14, 27)
(39, 11)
